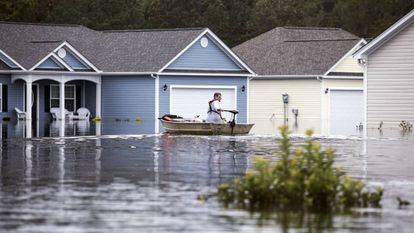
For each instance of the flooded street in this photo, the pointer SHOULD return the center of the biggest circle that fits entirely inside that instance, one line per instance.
(151, 183)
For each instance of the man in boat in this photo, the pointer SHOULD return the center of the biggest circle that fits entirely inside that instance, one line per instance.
(214, 109)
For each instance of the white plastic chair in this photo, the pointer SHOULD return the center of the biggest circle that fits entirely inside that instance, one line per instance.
(20, 114)
(82, 114)
(56, 113)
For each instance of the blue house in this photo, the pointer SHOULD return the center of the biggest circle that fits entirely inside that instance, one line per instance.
(117, 75)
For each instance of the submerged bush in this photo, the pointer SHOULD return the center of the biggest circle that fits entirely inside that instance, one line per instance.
(303, 178)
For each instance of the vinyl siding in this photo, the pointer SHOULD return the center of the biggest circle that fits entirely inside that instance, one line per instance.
(49, 64)
(266, 106)
(205, 81)
(15, 95)
(126, 98)
(199, 58)
(73, 61)
(332, 84)
(390, 81)
(349, 64)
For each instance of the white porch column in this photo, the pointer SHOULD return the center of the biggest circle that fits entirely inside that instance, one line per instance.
(62, 109)
(98, 100)
(62, 100)
(29, 100)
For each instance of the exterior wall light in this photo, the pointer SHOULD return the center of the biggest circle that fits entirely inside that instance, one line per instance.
(243, 88)
(165, 87)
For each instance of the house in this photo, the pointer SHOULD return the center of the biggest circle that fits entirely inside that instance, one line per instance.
(389, 73)
(119, 75)
(313, 70)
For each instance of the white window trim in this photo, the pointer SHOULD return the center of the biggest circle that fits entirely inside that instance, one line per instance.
(66, 85)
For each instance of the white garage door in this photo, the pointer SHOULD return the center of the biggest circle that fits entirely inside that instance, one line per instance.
(190, 101)
(346, 111)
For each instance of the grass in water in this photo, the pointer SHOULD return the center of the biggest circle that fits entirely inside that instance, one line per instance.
(304, 178)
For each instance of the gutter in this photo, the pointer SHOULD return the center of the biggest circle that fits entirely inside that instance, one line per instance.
(284, 77)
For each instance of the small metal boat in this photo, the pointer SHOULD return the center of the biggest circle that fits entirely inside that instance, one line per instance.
(202, 128)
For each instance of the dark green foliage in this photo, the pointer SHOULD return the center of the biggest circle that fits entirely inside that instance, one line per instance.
(305, 178)
(234, 21)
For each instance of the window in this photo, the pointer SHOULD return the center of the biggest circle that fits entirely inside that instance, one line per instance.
(70, 97)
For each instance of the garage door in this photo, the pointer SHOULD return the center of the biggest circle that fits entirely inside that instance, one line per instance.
(346, 112)
(191, 101)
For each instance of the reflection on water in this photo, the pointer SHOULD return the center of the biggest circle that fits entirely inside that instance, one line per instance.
(151, 184)
(69, 128)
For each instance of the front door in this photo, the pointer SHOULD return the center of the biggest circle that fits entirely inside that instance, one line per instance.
(34, 101)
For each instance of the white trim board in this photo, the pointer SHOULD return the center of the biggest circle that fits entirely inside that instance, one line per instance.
(11, 59)
(50, 55)
(389, 33)
(215, 39)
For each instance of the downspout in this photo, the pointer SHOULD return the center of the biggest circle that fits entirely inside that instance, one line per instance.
(248, 98)
(322, 98)
(157, 102)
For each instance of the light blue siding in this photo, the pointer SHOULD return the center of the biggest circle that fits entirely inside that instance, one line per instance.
(15, 95)
(8, 62)
(199, 58)
(205, 81)
(125, 98)
(49, 64)
(74, 62)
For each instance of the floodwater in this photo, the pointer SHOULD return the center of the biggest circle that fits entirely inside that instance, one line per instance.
(150, 183)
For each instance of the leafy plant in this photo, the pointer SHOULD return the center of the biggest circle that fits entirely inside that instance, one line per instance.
(302, 178)
(97, 119)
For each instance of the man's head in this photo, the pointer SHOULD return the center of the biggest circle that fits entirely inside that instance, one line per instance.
(217, 96)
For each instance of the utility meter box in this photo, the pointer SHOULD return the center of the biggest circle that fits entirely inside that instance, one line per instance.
(285, 98)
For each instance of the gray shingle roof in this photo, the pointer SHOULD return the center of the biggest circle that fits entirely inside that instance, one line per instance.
(296, 50)
(110, 51)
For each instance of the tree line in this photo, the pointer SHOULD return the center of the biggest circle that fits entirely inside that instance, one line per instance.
(233, 20)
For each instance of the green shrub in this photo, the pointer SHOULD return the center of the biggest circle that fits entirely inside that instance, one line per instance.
(303, 178)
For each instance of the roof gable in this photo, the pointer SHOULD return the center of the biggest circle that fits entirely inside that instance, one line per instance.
(65, 57)
(348, 64)
(50, 64)
(397, 27)
(205, 54)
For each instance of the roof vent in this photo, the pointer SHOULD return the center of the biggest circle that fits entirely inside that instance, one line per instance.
(204, 42)
(61, 53)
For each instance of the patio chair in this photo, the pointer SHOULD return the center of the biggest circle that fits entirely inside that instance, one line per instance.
(20, 114)
(56, 113)
(82, 114)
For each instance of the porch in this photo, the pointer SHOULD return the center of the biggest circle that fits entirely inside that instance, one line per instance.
(65, 92)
